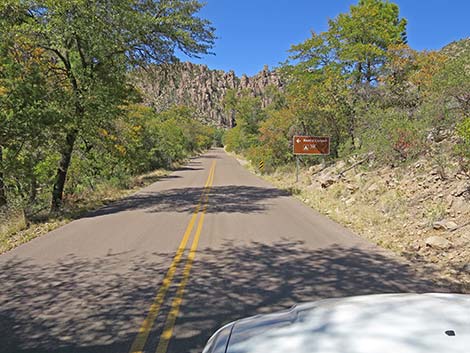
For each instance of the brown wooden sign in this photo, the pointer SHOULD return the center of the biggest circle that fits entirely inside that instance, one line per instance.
(317, 145)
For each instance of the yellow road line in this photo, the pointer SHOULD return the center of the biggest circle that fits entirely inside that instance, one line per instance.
(147, 324)
(175, 305)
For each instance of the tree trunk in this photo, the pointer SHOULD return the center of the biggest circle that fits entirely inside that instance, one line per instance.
(359, 73)
(59, 184)
(33, 192)
(3, 195)
(369, 72)
(352, 130)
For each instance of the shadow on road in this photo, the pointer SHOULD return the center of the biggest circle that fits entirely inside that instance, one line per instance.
(239, 281)
(228, 199)
(188, 169)
(84, 305)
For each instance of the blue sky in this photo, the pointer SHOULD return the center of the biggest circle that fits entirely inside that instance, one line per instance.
(252, 33)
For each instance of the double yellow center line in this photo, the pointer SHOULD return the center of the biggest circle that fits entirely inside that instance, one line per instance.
(147, 324)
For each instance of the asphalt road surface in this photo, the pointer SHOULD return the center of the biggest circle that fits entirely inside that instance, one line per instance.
(161, 270)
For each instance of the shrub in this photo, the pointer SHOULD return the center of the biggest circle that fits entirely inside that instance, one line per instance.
(463, 131)
(392, 135)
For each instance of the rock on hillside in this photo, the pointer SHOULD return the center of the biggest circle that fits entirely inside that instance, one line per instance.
(201, 88)
(456, 48)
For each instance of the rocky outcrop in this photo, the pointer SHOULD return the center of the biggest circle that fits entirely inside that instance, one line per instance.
(197, 86)
(457, 48)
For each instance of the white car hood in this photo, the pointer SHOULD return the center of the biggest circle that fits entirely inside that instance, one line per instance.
(388, 323)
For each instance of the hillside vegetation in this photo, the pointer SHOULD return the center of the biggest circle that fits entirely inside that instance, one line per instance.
(399, 120)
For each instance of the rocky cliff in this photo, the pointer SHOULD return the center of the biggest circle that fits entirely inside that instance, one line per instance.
(201, 88)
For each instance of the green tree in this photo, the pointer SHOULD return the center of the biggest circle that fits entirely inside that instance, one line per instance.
(407, 77)
(149, 140)
(452, 84)
(275, 148)
(332, 75)
(248, 113)
(27, 115)
(449, 101)
(360, 39)
(196, 134)
(93, 43)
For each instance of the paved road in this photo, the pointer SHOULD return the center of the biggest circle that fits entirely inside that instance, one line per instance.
(162, 270)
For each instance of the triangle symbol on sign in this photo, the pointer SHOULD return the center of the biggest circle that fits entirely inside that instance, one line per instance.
(305, 148)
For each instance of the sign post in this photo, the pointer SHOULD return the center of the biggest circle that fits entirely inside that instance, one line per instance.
(297, 165)
(309, 145)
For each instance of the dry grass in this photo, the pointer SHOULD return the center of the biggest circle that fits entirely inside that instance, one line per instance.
(365, 213)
